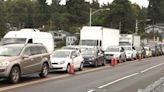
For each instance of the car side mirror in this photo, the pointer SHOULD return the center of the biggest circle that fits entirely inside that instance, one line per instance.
(25, 56)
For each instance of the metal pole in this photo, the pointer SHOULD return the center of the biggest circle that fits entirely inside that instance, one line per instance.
(136, 26)
(90, 17)
(120, 26)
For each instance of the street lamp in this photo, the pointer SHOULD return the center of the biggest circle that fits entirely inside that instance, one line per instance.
(93, 12)
(139, 21)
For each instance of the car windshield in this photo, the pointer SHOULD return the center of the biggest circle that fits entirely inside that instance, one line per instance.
(112, 49)
(128, 48)
(13, 40)
(10, 50)
(69, 48)
(146, 48)
(61, 54)
(88, 52)
(138, 48)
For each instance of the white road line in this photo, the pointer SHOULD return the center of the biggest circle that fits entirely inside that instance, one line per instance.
(123, 78)
(48, 79)
(91, 90)
(151, 68)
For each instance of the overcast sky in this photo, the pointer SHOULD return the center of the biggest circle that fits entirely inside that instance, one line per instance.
(140, 2)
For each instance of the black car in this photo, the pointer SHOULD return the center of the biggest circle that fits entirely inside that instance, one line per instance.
(93, 57)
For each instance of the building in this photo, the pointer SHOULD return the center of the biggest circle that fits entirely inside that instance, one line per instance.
(59, 35)
(162, 37)
(155, 29)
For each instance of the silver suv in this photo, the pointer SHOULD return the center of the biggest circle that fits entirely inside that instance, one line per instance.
(21, 59)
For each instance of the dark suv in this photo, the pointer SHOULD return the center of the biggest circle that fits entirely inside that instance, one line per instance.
(21, 59)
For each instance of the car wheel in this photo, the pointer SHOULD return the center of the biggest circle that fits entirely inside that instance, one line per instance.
(119, 60)
(135, 57)
(14, 75)
(96, 63)
(125, 59)
(44, 71)
(132, 58)
(104, 62)
(81, 67)
(68, 68)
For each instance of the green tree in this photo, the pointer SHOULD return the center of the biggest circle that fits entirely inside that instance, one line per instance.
(154, 10)
(56, 12)
(20, 13)
(78, 11)
(121, 13)
(161, 10)
(42, 14)
(3, 26)
(142, 15)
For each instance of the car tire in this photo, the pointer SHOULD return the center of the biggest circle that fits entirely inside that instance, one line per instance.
(135, 57)
(125, 59)
(96, 63)
(44, 71)
(104, 62)
(81, 66)
(14, 75)
(132, 58)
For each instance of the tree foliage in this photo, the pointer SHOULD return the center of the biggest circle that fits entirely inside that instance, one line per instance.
(75, 14)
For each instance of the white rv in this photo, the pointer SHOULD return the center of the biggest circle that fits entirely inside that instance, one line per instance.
(99, 36)
(29, 36)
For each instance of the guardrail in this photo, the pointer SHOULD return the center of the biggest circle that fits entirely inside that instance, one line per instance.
(157, 86)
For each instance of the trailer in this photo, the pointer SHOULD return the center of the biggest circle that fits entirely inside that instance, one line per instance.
(99, 36)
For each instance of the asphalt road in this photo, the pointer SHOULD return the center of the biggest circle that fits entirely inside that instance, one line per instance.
(125, 77)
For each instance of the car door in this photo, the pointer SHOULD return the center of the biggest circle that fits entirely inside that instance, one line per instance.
(27, 61)
(31, 63)
(79, 58)
(37, 58)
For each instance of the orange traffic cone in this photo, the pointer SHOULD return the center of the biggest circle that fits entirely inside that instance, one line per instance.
(72, 70)
(114, 61)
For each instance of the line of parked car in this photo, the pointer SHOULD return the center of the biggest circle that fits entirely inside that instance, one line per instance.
(17, 60)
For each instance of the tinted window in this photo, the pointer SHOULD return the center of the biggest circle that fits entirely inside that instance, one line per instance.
(35, 50)
(61, 54)
(42, 49)
(27, 51)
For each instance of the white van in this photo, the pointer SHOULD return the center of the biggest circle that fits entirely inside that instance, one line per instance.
(29, 36)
